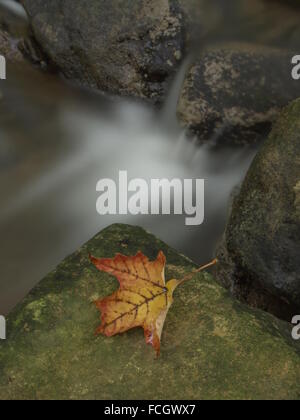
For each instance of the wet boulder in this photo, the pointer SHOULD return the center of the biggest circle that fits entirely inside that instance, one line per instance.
(238, 91)
(122, 47)
(213, 347)
(263, 234)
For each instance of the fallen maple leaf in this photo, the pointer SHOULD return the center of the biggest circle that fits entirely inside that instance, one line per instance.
(143, 299)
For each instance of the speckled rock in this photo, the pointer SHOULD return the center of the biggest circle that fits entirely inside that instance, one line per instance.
(121, 46)
(212, 346)
(9, 48)
(263, 234)
(241, 88)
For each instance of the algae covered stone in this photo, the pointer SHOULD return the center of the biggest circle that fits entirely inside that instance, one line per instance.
(212, 346)
(263, 234)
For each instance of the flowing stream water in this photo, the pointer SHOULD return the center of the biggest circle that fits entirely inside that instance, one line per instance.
(57, 142)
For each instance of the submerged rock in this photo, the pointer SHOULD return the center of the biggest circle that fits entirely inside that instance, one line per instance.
(263, 234)
(239, 89)
(212, 346)
(122, 47)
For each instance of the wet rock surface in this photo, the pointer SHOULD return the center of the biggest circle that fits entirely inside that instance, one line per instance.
(237, 89)
(213, 347)
(9, 48)
(263, 235)
(122, 47)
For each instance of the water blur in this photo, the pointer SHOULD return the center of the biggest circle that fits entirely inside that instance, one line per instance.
(57, 141)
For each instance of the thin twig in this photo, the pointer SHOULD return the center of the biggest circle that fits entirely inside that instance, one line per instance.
(204, 267)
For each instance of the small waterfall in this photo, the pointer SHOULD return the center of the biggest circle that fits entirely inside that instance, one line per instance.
(170, 106)
(48, 199)
(14, 7)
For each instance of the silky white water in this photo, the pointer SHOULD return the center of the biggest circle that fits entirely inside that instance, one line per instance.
(56, 145)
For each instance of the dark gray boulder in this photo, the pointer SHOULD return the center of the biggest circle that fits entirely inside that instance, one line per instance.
(241, 88)
(263, 235)
(122, 46)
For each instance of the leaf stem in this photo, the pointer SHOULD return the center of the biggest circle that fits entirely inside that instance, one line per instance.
(198, 270)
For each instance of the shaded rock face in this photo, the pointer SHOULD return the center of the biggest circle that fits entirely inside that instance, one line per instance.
(124, 47)
(266, 22)
(238, 88)
(212, 346)
(9, 47)
(263, 234)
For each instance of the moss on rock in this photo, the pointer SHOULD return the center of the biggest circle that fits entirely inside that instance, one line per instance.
(212, 346)
(263, 234)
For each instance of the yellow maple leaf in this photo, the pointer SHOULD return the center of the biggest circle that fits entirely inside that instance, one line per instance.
(143, 299)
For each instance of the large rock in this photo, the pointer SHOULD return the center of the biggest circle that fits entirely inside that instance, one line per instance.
(212, 346)
(239, 88)
(122, 46)
(263, 234)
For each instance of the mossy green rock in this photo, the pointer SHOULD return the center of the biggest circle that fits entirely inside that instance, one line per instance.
(212, 346)
(263, 235)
